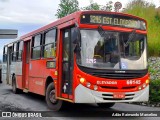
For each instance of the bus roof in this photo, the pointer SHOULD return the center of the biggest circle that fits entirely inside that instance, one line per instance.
(72, 16)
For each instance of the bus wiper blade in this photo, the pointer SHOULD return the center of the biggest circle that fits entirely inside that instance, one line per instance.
(131, 36)
(101, 31)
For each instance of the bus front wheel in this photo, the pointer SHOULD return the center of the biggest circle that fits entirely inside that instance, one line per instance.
(105, 105)
(51, 100)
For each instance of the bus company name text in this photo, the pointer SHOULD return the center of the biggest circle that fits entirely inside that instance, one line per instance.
(107, 82)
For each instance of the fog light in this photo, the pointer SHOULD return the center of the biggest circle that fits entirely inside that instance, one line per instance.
(147, 81)
(88, 84)
(144, 85)
(139, 87)
(95, 87)
(82, 80)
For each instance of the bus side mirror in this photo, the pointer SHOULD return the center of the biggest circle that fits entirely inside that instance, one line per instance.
(76, 35)
(76, 39)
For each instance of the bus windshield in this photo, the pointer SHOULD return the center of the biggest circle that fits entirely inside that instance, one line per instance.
(112, 50)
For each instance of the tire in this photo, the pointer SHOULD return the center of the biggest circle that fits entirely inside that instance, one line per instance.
(52, 103)
(14, 85)
(105, 105)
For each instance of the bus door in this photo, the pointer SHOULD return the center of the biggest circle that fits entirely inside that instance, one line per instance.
(67, 64)
(26, 64)
(9, 60)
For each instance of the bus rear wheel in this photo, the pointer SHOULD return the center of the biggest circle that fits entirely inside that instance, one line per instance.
(105, 105)
(14, 85)
(51, 100)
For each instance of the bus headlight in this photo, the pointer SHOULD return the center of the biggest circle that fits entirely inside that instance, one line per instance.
(88, 84)
(144, 85)
(82, 80)
(95, 87)
(147, 81)
(139, 87)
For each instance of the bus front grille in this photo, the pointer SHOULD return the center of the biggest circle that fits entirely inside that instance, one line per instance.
(117, 98)
(114, 74)
(114, 87)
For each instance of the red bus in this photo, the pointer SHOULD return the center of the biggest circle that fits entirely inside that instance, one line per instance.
(86, 57)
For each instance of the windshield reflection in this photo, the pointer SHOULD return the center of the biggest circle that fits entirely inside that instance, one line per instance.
(110, 51)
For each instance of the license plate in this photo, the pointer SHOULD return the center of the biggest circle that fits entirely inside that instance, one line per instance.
(119, 95)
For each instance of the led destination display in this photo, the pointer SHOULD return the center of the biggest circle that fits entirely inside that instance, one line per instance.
(113, 20)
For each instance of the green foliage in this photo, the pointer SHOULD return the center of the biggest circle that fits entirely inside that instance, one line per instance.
(154, 91)
(96, 6)
(67, 7)
(92, 6)
(148, 11)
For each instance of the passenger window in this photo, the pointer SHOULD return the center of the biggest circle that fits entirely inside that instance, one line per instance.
(14, 53)
(36, 46)
(50, 44)
(20, 49)
(5, 54)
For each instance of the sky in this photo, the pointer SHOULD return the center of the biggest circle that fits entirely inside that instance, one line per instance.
(28, 15)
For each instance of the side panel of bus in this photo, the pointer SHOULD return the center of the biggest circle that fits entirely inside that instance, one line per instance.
(4, 65)
(9, 65)
(4, 72)
(41, 53)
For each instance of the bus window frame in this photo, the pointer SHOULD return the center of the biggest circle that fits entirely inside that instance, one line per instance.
(32, 46)
(14, 51)
(5, 52)
(54, 43)
(19, 50)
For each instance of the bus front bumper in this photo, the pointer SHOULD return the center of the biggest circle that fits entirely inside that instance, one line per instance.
(85, 95)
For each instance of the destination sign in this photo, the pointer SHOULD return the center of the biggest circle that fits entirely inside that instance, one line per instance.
(113, 20)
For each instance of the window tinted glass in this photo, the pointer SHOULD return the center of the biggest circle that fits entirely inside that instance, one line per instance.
(20, 55)
(14, 56)
(50, 36)
(15, 47)
(36, 52)
(21, 45)
(37, 40)
(49, 46)
(49, 51)
(5, 50)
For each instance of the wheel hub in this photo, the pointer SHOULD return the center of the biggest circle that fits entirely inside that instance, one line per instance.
(52, 96)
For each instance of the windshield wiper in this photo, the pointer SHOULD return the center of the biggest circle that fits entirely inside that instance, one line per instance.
(101, 31)
(131, 36)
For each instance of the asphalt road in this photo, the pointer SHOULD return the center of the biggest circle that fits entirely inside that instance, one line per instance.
(32, 102)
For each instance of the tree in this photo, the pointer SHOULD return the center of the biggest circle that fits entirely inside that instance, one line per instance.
(67, 7)
(96, 6)
(147, 10)
(92, 6)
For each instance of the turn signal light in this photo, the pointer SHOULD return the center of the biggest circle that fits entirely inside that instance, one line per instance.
(82, 80)
(147, 81)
